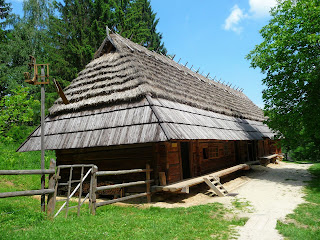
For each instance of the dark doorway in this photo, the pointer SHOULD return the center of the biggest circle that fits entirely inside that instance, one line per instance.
(251, 151)
(184, 147)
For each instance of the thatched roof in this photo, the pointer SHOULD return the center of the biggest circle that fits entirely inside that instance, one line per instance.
(132, 71)
(129, 94)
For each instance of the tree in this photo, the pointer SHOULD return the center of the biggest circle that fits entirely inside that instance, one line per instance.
(28, 36)
(81, 28)
(17, 115)
(4, 12)
(289, 57)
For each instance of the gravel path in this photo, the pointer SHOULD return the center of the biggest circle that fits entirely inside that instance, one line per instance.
(273, 192)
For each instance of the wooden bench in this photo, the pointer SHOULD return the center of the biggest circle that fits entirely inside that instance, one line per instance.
(265, 160)
(184, 185)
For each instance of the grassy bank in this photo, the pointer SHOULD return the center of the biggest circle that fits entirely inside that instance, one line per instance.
(304, 223)
(20, 218)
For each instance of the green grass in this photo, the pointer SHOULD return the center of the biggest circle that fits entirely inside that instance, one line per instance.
(10, 159)
(304, 223)
(20, 217)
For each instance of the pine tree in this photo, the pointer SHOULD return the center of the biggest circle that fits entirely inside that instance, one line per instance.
(4, 13)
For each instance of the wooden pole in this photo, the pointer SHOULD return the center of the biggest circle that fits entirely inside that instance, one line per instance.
(26, 193)
(148, 183)
(80, 191)
(94, 189)
(51, 197)
(43, 205)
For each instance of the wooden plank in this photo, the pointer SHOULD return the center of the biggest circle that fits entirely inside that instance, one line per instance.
(162, 178)
(26, 193)
(269, 156)
(99, 204)
(119, 172)
(27, 172)
(194, 181)
(123, 185)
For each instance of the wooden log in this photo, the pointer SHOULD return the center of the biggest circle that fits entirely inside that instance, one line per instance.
(94, 190)
(27, 172)
(99, 204)
(80, 191)
(69, 190)
(26, 193)
(122, 185)
(119, 172)
(148, 183)
(162, 177)
(197, 180)
(51, 197)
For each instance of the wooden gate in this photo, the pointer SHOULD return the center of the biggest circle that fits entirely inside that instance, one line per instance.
(85, 170)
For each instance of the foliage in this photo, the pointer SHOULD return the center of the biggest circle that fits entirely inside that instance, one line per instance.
(17, 114)
(80, 28)
(64, 34)
(304, 222)
(289, 56)
(4, 12)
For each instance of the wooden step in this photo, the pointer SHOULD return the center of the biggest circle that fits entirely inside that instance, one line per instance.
(216, 186)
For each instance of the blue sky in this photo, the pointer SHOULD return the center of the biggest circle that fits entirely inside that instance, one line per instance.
(214, 35)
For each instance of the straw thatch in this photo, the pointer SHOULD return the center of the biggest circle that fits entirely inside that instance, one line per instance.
(129, 95)
(132, 72)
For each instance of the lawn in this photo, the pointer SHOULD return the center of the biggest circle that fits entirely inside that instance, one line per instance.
(20, 217)
(304, 223)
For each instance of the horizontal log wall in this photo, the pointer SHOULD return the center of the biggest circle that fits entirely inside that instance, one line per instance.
(109, 159)
(226, 151)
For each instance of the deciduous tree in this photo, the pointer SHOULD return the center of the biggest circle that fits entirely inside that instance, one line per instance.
(289, 56)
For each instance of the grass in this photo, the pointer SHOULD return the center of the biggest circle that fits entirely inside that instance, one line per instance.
(304, 223)
(20, 217)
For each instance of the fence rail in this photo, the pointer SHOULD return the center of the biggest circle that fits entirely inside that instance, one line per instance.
(51, 171)
(95, 188)
(27, 172)
(26, 193)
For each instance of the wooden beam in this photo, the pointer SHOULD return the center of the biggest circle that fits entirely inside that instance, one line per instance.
(27, 172)
(119, 172)
(121, 185)
(99, 204)
(26, 193)
(174, 187)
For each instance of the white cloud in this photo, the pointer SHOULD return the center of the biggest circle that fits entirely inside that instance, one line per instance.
(261, 8)
(232, 22)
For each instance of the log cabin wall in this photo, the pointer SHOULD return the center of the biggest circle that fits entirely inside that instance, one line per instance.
(215, 155)
(110, 158)
(242, 151)
(168, 160)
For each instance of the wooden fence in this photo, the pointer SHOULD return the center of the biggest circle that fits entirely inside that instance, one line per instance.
(95, 188)
(50, 191)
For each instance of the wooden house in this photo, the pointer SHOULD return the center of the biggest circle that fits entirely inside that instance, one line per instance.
(131, 106)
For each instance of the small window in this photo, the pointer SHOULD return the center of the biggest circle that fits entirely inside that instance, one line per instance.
(205, 153)
(213, 151)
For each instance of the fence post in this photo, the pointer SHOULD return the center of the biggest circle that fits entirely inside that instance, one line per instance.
(51, 197)
(148, 183)
(93, 189)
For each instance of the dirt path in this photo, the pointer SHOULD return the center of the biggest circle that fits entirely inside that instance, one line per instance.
(274, 192)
